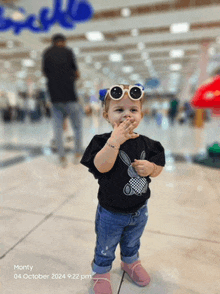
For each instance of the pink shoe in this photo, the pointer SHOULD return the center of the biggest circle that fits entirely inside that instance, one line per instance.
(136, 272)
(102, 283)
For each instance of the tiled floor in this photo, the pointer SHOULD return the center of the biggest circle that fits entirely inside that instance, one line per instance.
(48, 215)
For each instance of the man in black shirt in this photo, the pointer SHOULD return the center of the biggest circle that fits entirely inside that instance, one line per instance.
(60, 68)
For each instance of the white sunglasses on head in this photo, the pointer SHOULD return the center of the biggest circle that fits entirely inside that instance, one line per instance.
(135, 92)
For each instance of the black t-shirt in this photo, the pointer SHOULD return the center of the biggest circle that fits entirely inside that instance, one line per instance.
(122, 189)
(59, 66)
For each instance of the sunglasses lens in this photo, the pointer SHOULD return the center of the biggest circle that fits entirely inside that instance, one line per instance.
(116, 92)
(135, 92)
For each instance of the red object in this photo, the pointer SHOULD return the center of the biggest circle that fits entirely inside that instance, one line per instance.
(208, 94)
(216, 112)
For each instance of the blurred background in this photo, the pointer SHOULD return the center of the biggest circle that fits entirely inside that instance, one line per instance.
(171, 47)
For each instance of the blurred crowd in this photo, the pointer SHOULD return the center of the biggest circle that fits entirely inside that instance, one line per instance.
(21, 107)
(174, 112)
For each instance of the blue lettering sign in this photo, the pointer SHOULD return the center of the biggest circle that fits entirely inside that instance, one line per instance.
(76, 11)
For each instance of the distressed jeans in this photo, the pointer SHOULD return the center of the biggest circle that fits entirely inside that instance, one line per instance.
(117, 228)
(73, 111)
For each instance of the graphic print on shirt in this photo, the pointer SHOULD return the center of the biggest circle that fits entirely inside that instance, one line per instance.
(137, 184)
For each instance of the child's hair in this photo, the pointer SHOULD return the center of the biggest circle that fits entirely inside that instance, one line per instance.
(106, 102)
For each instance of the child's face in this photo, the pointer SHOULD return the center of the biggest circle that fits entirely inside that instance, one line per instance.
(125, 108)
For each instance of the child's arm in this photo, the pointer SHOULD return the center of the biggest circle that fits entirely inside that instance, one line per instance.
(106, 157)
(146, 168)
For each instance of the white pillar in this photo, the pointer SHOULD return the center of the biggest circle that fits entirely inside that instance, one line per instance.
(203, 65)
(203, 62)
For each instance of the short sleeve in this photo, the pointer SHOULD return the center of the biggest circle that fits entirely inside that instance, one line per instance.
(96, 144)
(72, 60)
(156, 152)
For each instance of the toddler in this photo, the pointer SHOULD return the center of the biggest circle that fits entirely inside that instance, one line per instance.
(123, 162)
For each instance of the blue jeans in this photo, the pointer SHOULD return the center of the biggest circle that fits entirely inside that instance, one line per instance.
(73, 111)
(117, 228)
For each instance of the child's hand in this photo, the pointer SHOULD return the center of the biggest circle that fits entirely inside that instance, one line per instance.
(143, 167)
(123, 132)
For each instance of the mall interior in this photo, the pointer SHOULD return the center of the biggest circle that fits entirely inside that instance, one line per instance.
(172, 48)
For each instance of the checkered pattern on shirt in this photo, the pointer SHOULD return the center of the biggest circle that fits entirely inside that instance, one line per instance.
(138, 184)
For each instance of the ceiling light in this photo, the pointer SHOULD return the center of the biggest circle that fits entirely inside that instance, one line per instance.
(94, 36)
(212, 51)
(42, 80)
(176, 28)
(177, 53)
(144, 55)
(10, 44)
(176, 66)
(148, 62)
(127, 69)
(141, 46)
(7, 64)
(21, 74)
(98, 65)
(76, 50)
(134, 77)
(125, 12)
(88, 59)
(28, 62)
(33, 54)
(135, 32)
(115, 57)
(123, 81)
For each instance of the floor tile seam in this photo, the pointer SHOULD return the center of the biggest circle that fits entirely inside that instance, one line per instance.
(4, 149)
(74, 219)
(14, 159)
(183, 237)
(10, 146)
(44, 214)
(13, 147)
(23, 210)
(32, 153)
(29, 148)
(121, 282)
(21, 159)
(18, 160)
(38, 225)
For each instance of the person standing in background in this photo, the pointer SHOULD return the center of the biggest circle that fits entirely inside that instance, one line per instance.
(173, 111)
(60, 68)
